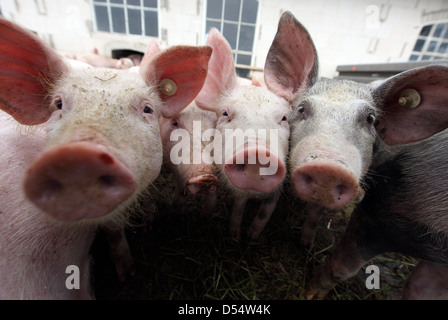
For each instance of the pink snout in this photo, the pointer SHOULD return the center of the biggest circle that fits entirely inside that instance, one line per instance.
(202, 184)
(326, 183)
(78, 180)
(252, 173)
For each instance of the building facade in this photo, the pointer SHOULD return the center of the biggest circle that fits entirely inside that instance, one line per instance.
(344, 31)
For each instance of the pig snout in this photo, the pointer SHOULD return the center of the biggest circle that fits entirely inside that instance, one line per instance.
(78, 180)
(202, 184)
(325, 182)
(255, 169)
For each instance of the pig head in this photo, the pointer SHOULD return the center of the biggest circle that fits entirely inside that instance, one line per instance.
(103, 144)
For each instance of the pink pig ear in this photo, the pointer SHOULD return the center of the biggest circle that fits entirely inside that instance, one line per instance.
(414, 104)
(291, 64)
(178, 74)
(221, 76)
(28, 68)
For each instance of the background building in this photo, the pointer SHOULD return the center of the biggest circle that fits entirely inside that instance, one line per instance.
(344, 31)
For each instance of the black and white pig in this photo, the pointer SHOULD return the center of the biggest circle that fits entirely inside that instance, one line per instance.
(79, 145)
(349, 138)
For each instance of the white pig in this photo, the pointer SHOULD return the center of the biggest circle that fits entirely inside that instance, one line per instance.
(255, 166)
(80, 145)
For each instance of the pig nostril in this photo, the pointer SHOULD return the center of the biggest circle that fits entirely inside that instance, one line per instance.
(341, 189)
(307, 179)
(53, 186)
(107, 180)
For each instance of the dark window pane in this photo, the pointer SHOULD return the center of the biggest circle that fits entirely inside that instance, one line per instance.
(419, 45)
(232, 10)
(135, 21)
(246, 38)
(100, 0)
(150, 3)
(413, 57)
(438, 30)
(212, 24)
(102, 19)
(116, 1)
(134, 2)
(214, 9)
(437, 58)
(230, 32)
(426, 58)
(118, 20)
(446, 34)
(244, 59)
(151, 24)
(443, 47)
(425, 30)
(250, 8)
(432, 46)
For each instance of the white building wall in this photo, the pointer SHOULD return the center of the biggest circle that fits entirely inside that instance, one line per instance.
(344, 31)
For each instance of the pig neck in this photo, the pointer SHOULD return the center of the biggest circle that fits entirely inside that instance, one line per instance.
(34, 250)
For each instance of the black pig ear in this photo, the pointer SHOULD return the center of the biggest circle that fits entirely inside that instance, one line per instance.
(414, 104)
(292, 63)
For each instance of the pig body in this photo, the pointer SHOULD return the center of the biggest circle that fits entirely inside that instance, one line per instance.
(82, 144)
(253, 120)
(196, 174)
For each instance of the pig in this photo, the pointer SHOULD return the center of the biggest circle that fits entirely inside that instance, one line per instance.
(96, 60)
(404, 207)
(254, 168)
(80, 147)
(196, 175)
(383, 145)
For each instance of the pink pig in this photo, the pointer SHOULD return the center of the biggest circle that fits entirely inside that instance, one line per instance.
(255, 167)
(80, 146)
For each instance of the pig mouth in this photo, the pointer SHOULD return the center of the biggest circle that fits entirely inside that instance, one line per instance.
(203, 184)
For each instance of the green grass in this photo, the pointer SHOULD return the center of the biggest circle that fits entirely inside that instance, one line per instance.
(189, 257)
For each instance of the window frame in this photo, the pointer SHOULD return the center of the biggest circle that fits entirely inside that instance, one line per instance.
(238, 23)
(429, 40)
(125, 6)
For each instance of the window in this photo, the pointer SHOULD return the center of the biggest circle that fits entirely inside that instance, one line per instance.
(139, 17)
(236, 19)
(432, 43)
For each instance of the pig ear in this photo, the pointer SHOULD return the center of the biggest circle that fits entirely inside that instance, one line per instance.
(178, 73)
(221, 76)
(28, 68)
(152, 50)
(292, 63)
(414, 104)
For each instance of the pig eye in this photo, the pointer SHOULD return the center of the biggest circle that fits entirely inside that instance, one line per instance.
(301, 109)
(58, 103)
(285, 118)
(175, 123)
(225, 114)
(370, 118)
(148, 109)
